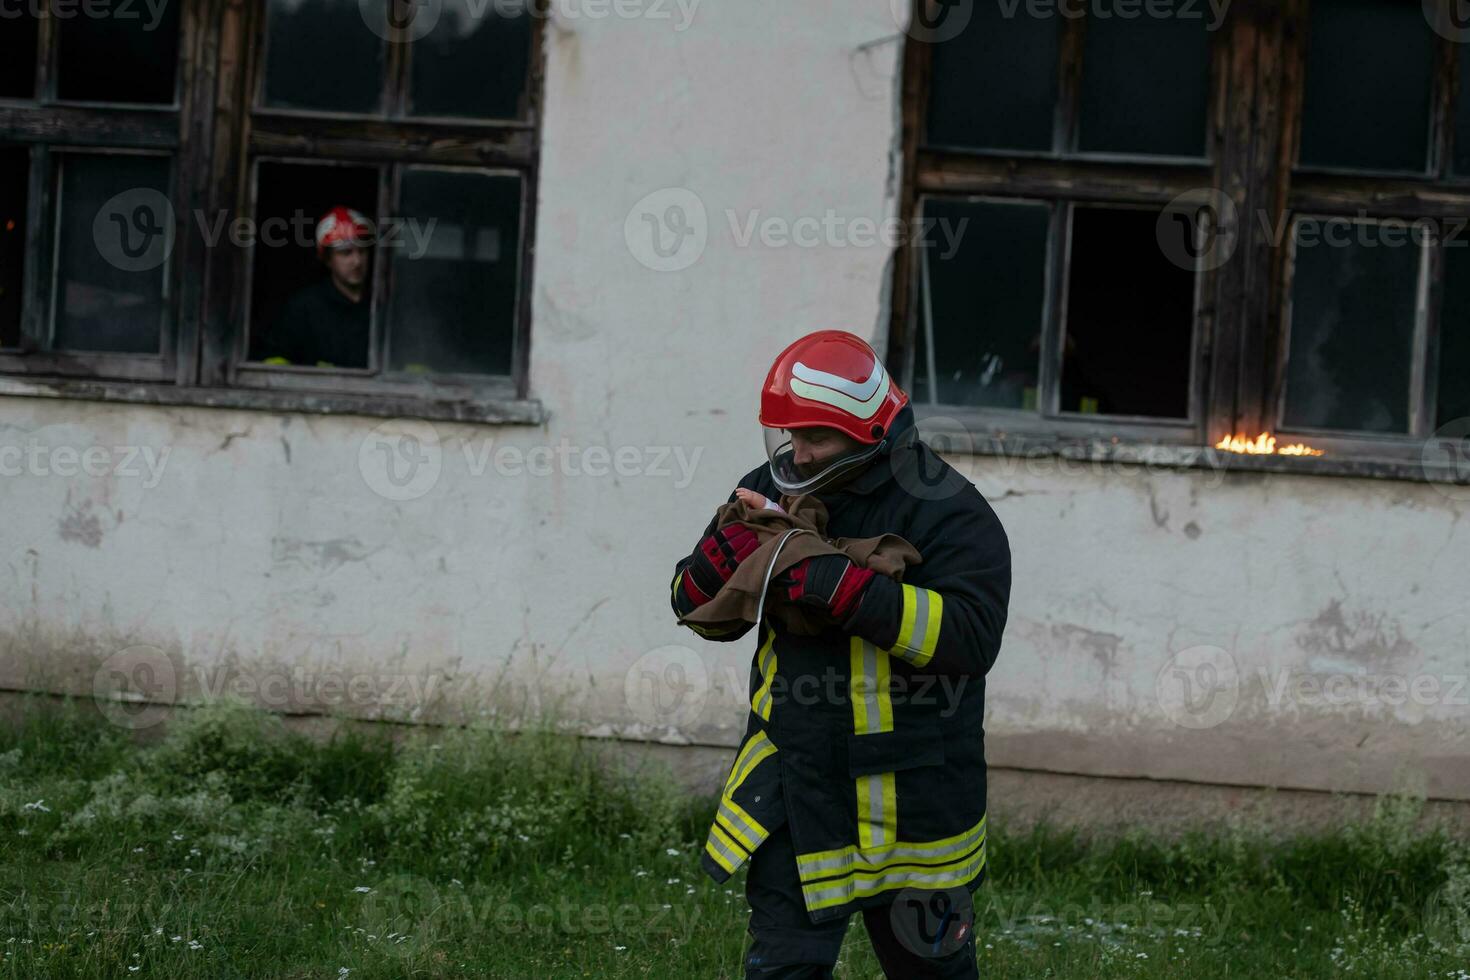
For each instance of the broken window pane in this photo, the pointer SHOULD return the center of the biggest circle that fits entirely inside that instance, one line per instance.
(984, 269)
(1129, 318)
(302, 309)
(1145, 85)
(119, 58)
(456, 270)
(994, 85)
(474, 62)
(14, 168)
(1454, 333)
(1352, 327)
(115, 233)
(1367, 89)
(18, 54)
(326, 54)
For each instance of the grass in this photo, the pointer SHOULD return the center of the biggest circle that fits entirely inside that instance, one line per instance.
(234, 848)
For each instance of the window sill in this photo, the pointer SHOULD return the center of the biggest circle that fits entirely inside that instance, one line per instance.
(493, 410)
(956, 431)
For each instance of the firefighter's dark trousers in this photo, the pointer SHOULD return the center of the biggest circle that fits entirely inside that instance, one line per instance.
(785, 945)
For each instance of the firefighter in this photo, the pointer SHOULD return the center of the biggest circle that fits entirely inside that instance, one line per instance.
(328, 323)
(859, 784)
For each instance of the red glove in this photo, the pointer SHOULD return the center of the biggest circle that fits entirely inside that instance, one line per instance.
(715, 560)
(829, 583)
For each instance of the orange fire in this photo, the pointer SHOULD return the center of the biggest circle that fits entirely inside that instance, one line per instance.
(1264, 445)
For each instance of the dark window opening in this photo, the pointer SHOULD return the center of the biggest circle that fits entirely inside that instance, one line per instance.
(115, 230)
(456, 272)
(1368, 85)
(326, 55)
(1129, 318)
(1351, 331)
(299, 316)
(995, 84)
(1454, 334)
(120, 58)
(1145, 86)
(18, 39)
(474, 63)
(14, 172)
(982, 294)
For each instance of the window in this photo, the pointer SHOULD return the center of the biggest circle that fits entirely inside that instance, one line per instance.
(159, 210)
(1180, 231)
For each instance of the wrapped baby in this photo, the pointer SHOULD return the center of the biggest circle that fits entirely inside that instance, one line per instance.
(756, 501)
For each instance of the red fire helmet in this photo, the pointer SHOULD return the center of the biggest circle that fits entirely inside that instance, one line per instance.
(829, 379)
(341, 227)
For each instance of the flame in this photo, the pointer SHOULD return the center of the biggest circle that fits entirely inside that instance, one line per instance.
(1264, 445)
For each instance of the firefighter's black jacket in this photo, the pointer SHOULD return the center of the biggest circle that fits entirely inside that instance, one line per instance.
(868, 739)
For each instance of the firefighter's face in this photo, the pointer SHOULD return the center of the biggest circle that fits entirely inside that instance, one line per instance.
(348, 264)
(812, 449)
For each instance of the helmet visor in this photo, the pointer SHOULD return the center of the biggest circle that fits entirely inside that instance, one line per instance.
(818, 469)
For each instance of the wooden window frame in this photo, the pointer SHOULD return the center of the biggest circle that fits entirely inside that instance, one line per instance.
(215, 132)
(1241, 320)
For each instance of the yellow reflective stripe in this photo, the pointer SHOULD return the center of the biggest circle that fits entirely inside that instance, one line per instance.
(752, 753)
(710, 630)
(761, 702)
(872, 701)
(740, 825)
(861, 884)
(872, 713)
(725, 852)
(843, 860)
(674, 590)
(918, 633)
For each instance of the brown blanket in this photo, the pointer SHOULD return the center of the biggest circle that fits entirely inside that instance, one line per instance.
(739, 601)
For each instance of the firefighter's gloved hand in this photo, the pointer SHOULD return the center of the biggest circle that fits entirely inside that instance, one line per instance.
(829, 583)
(716, 559)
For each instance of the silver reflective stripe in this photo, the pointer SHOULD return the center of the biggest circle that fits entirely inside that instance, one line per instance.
(856, 886)
(921, 620)
(746, 830)
(825, 866)
(734, 857)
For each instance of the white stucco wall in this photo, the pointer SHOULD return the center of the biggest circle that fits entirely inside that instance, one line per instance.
(269, 547)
